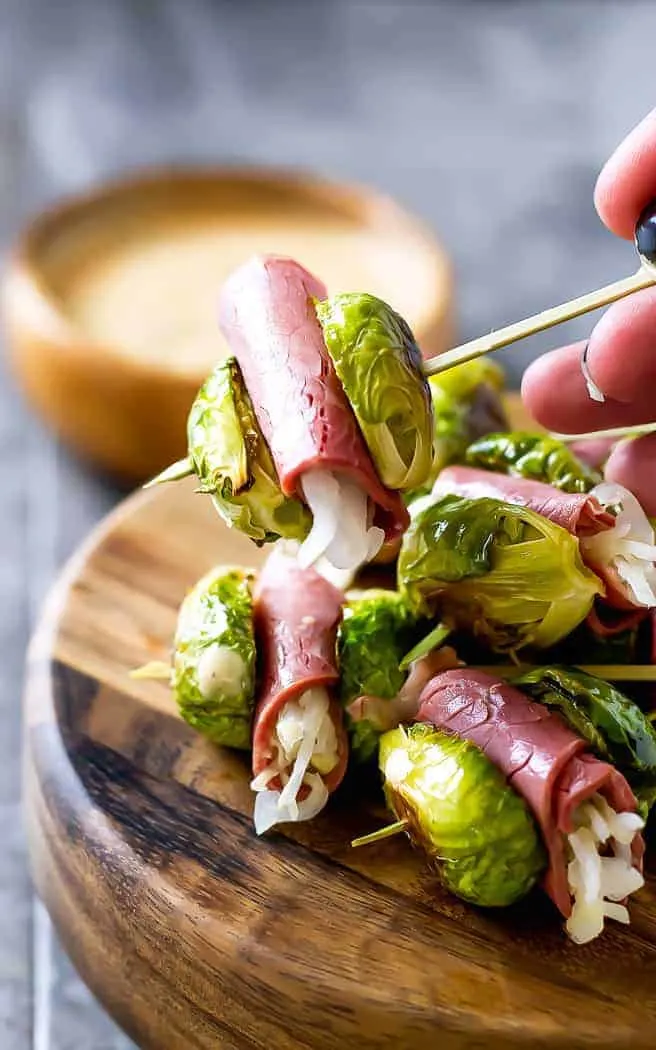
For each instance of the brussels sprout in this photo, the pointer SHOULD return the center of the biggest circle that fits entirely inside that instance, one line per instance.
(232, 462)
(509, 576)
(379, 365)
(214, 660)
(535, 456)
(466, 405)
(462, 382)
(614, 726)
(376, 632)
(463, 814)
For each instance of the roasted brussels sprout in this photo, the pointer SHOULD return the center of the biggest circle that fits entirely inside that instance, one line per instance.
(463, 814)
(233, 464)
(214, 661)
(379, 365)
(376, 632)
(614, 726)
(466, 405)
(536, 456)
(509, 576)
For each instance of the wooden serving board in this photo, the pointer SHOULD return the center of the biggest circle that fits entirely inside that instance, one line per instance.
(193, 932)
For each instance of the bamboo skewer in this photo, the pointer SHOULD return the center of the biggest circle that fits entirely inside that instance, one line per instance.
(556, 315)
(609, 672)
(615, 433)
(387, 832)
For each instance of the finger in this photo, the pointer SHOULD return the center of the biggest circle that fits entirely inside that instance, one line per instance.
(555, 393)
(622, 361)
(633, 464)
(594, 452)
(627, 182)
(622, 348)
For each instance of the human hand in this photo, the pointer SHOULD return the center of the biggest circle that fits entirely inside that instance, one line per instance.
(621, 354)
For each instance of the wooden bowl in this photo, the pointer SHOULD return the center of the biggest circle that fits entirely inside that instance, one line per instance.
(194, 932)
(109, 298)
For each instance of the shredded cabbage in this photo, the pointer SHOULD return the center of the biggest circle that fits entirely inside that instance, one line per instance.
(341, 532)
(269, 812)
(597, 882)
(629, 548)
(304, 747)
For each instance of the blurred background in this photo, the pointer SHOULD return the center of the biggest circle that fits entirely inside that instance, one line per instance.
(488, 120)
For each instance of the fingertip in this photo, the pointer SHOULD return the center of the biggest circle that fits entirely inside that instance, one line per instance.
(535, 384)
(627, 182)
(593, 451)
(552, 385)
(554, 392)
(621, 349)
(535, 389)
(609, 203)
(632, 463)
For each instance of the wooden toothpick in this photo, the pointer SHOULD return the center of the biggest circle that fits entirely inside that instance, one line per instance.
(609, 672)
(383, 833)
(615, 433)
(486, 344)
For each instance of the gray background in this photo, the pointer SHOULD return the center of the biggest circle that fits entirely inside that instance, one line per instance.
(489, 119)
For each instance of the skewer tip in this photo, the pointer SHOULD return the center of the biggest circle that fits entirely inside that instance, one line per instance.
(383, 833)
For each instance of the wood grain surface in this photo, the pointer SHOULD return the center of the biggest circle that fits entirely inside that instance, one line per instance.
(195, 933)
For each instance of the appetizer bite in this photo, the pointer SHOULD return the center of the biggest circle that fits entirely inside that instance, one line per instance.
(212, 672)
(300, 748)
(615, 537)
(591, 850)
(507, 575)
(584, 807)
(459, 809)
(318, 423)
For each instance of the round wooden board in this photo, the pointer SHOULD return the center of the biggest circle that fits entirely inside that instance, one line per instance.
(193, 932)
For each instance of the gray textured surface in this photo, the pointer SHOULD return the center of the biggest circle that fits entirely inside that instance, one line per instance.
(490, 119)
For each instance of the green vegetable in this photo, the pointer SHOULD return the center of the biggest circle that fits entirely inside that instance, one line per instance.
(433, 640)
(614, 726)
(379, 365)
(376, 632)
(507, 575)
(232, 462)
(462, 382)
(463, 814)
(214, 660)
(536, 456)
(646, 796)
(466, 405)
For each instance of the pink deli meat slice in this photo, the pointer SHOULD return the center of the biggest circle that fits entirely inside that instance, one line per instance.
(389, 714)
(580, 514)
(541, 757)
(297, 613)
(267, 316)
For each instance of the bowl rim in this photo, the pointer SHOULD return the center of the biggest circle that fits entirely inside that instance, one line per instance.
(370, 207)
